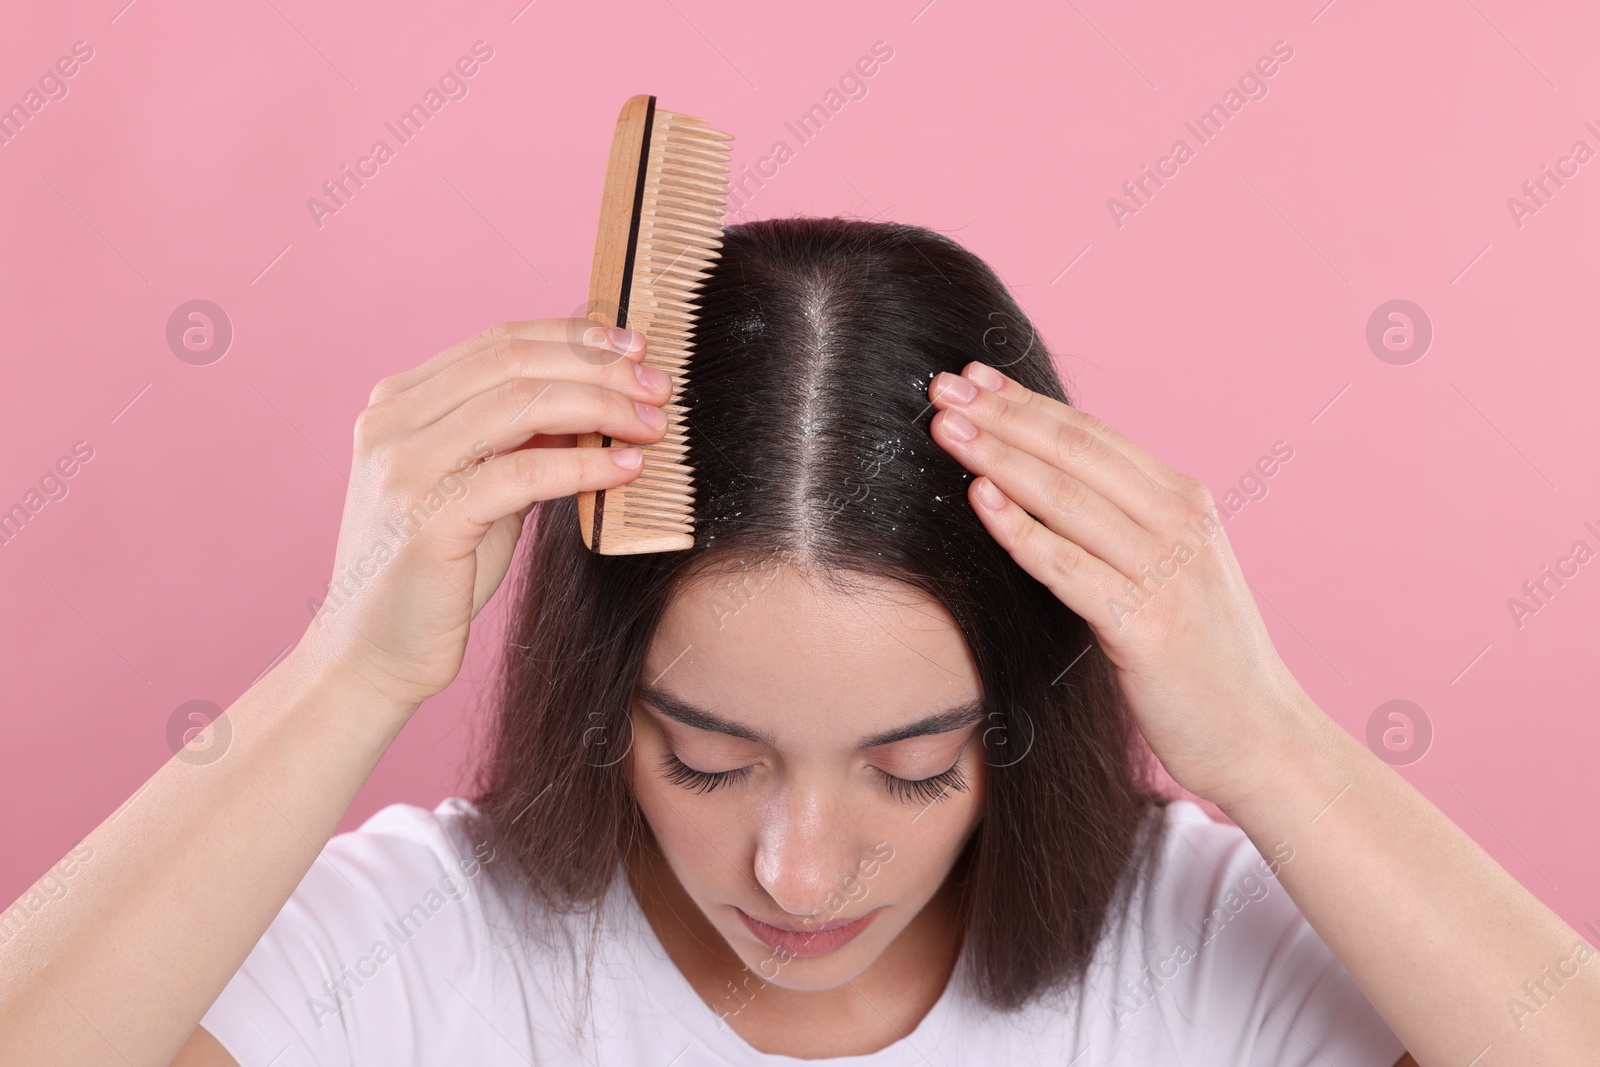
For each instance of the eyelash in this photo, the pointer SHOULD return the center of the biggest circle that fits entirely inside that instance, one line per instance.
(911, 790)
(678, 772)
(926, 790)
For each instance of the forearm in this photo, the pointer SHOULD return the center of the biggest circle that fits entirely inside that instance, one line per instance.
(184, 878)
(1437, 935)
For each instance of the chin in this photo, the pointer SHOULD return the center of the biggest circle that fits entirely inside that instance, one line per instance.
(815, 974)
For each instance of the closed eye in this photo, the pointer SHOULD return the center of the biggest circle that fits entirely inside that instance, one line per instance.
(678, 772)
(923, 791)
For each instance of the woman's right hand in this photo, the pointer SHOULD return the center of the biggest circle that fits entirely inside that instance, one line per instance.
(449, 458)
(462, 446)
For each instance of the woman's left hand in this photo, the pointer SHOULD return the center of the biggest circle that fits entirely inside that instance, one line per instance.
(1386, 878)
(1094, 516)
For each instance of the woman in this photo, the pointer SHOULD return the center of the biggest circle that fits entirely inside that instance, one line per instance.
(860, 778)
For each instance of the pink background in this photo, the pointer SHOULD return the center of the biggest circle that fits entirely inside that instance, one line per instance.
(1228, 313)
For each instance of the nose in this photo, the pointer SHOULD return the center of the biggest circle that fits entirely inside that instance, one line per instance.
(806, 859)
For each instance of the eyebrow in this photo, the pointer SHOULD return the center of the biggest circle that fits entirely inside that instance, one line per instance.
(682, 711)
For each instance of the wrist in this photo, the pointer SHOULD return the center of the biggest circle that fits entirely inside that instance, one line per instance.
(1293, 751)
(310, 665)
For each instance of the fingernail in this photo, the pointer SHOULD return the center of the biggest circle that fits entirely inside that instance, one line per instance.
(651, 415)
(651, 378)
(989, 496)
(956, 388)
(628, 458)
(986, 376)
(625, 340)
(957, 426)
(613, 339)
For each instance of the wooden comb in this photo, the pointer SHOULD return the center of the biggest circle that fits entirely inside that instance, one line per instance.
(660, 231)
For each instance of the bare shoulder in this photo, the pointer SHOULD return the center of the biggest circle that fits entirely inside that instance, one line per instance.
(203, 1050)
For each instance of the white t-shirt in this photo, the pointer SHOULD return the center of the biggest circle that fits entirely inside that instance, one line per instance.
(396, 949)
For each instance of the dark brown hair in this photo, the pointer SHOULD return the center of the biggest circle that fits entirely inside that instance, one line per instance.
(809, 436)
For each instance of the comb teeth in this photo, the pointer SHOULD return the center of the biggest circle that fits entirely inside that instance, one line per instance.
(680, 207)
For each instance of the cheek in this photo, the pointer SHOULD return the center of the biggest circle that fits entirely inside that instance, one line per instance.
(701, 848)
(908, 858)
(943, 829)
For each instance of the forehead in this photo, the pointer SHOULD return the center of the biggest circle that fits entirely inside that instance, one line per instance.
(787, 651)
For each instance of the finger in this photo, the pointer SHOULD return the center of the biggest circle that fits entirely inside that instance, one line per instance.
(1080, 580)
(1065, 444)
(570, 332)
(507, 415)
(481, 371)
(1066, 504)
(1018, 393)
(512, 483)
(494, 555)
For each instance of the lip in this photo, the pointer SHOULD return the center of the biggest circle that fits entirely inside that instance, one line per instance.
(803, 943)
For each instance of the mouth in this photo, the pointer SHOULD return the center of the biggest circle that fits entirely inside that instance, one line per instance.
(806, 942)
